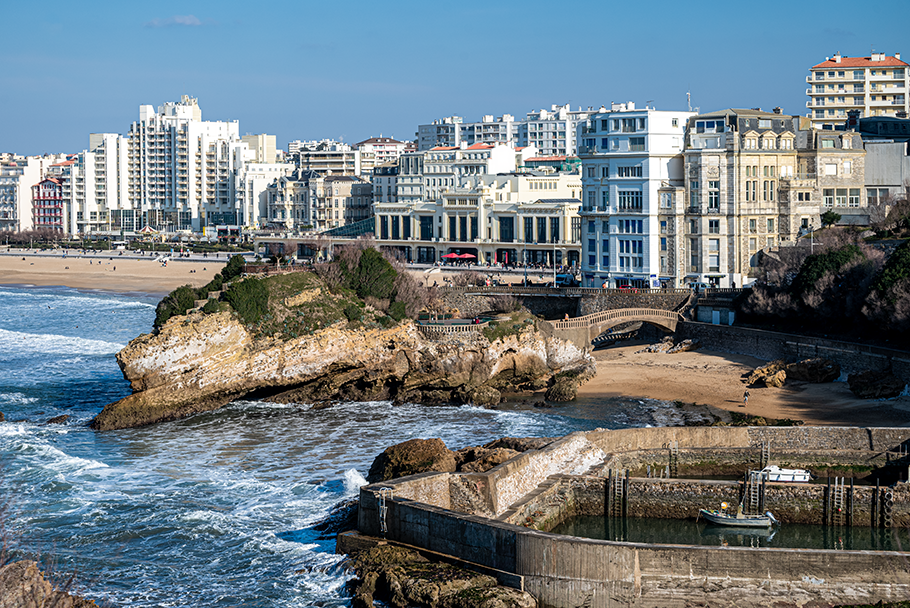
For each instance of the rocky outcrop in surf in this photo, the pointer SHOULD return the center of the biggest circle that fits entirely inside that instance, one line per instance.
(200, 362)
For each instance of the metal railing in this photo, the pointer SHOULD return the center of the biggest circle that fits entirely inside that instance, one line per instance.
(623, 313)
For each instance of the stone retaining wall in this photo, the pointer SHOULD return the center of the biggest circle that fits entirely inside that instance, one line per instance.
(565, 572)
(769, 345)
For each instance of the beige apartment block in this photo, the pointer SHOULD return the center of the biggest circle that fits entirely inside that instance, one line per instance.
(874, 86)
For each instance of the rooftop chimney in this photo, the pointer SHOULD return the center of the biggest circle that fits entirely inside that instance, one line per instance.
(778, 110)
(897, 55)
(837, 57)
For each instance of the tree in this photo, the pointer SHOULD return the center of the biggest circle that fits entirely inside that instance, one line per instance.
(829, 218)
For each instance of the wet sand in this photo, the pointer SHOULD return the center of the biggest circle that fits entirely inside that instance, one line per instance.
(715, 378)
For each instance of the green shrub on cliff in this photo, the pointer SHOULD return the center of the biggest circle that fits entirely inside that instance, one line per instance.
(374, 276)
(896, 269)
(819, 264)
(249, 298)
(174, 304)
(233, 269)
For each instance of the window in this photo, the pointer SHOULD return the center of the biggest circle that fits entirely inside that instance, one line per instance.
(674, 122)
(858, 75)
(693, 226)
(752, 244)
(840, 197)
(714, 226)
(665, 200)
(828, 197)
(827, 142)
(590, 171)
(713, 199)
(604, 125)
(592, 200)
(770, 225)
(591, 227)
(830, 168)
(605, 199)
(637, 144)
(751, 143)
(605, 171)
(764, 123)
(854, 197)
(713, 255)
(629, 171)
(693, 255)
(768, 190)
(663, 243)
(628, 125)
(604, 142)
(848, 167)
(630, 200)
(605, 227)
(529, 229)
(663, 226)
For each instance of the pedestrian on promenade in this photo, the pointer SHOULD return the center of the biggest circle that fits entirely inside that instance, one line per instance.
(745, 398)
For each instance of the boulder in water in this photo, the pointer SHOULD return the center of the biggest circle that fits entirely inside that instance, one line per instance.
(61, 419)
(412, 457)
(875, 385)
(1, 417)
(814, 370)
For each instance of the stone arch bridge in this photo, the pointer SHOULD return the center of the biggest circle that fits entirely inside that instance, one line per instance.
(582, 330)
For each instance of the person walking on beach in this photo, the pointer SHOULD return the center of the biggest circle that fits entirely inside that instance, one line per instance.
(745, 398)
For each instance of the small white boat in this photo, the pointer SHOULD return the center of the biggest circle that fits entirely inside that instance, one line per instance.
(737, 520)
(775, 473)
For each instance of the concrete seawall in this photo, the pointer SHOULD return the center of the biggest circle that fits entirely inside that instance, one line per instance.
(564, 571)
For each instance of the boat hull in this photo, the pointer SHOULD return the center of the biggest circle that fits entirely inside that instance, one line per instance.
(721, 519)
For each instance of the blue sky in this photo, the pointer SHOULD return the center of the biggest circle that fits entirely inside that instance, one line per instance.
(312, 70)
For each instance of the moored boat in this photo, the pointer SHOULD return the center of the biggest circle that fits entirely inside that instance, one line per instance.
(739, 520)
(775, 473)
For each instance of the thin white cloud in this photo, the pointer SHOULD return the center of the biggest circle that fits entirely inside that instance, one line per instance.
(184, 20)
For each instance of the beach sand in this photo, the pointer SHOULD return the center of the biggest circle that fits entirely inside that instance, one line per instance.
(715, 378)
(107, 272)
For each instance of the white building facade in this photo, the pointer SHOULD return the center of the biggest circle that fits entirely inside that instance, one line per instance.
(628, 156)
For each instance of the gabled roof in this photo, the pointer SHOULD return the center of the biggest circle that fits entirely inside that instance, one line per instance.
(379, 140)
(479, 146)
(860, 62)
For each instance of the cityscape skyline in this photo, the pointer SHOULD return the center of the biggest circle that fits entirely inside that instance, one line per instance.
(392, 67)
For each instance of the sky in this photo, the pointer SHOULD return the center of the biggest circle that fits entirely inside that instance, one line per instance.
(351, 70)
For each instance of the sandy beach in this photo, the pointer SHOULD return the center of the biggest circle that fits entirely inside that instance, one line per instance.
(715, 378)
(106, 272)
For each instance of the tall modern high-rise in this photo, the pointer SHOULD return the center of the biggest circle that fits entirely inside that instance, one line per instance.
(875, 86)
(182, 170)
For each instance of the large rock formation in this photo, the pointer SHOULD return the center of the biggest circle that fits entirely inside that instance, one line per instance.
(814, 370)
(200, 362)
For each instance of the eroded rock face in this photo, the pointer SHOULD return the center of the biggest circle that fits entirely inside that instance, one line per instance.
(814, 370)
(23, 586)
(875, 385)
(200, 362)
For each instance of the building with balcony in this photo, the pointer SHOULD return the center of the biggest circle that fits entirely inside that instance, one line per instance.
(17, 176)
(552, 132)
(874, 86)
(49, 208)
(755, 180)
(183, 170)
(328, 157)
(384, 150)
(632, 171)
(310, 201)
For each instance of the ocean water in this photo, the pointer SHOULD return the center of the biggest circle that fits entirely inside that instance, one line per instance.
(213, 510)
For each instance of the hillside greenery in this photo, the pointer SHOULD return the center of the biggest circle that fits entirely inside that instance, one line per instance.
(847, 288)
(360, 289)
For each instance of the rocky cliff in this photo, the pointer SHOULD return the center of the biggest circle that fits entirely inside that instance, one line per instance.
(201, 361)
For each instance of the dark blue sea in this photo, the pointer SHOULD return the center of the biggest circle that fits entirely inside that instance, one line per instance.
(214, 510)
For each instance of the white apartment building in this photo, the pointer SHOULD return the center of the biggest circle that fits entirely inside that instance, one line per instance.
(629, 156)
(182, 170)
(877, 85)
(552, 131)
(329, 157)
(253, 198)
(384, 150)
(309, 201)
